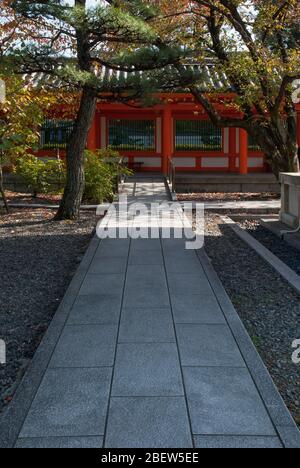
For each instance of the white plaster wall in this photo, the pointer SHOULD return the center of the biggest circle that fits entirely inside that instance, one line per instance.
(149, 162)
(215, 162)
(184, 162)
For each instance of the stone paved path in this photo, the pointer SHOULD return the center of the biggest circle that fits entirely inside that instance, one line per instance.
(146, 357)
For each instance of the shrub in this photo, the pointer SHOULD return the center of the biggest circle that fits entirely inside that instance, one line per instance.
(102, 169)
(41, 176)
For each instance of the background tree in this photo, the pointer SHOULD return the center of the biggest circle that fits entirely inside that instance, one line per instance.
(75, 44)
(256, 45)
(21, 114)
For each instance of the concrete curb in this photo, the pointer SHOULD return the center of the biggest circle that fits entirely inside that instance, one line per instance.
(278, 412)
(276, 227)
(12, 418)
(225, 207)
(286, 272)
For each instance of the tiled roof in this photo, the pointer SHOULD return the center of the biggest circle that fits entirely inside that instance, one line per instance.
(208, 75)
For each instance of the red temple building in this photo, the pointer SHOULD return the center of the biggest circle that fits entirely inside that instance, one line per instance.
(176, 128)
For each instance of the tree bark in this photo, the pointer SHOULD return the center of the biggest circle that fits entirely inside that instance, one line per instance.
(70, 204)
(279, 143)
(276, 134)
(2, 191)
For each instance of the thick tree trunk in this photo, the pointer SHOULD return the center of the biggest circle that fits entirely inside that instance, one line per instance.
(2, 192)
(279, 143)
(73, 192)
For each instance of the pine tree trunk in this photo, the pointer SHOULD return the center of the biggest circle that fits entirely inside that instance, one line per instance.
(279, 145)
(70, 204)
(2, 191)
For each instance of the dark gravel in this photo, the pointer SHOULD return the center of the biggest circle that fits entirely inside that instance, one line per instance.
(286, 253)
(38, 258)
(268, 306)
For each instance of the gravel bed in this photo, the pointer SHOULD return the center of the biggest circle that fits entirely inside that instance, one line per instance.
(28, 199)
(284, 251)
(38, 258)
(268, 306)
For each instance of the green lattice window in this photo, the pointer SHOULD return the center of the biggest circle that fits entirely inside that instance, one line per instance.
(132, 134)
(252, 144)
(197, 135)
(55, 134)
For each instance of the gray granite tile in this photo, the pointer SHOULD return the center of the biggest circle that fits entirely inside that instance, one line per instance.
(108, 265)
(146, 287)
(146, 325)
(145, 244)
(188, 284)
(146, 257)
(148, 423)
(92, 310)
(147, 369)
(69, 402)
(86, 346)
(111, 284)
(202, 308)
(207, 345)
(224, 401)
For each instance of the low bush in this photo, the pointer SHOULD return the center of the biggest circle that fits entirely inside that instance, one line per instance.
(41, 176)
(102, 170)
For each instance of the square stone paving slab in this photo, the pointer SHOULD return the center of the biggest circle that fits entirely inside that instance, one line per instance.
(147, 369)
(69, 403)
(145, 244)
(225, 401)
(146, 257)
(182, 264)
(146, 287)
(112, 284)
(188, 283)
(113, 248)
(85, 346)
(146, 325)
(208, 345)
(148, 423)
(89, 310)
(202, 308)
(104, 265)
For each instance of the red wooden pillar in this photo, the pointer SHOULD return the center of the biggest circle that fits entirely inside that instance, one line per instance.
(167, 138)
(243, 151)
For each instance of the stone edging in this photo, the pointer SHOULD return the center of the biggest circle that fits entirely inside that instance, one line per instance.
(286, 272)
(12, 418)
(277, 410)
